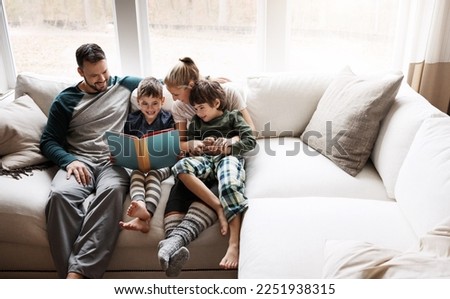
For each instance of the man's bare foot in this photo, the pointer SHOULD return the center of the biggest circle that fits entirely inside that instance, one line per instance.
(74, 275)
(231, 258)
(138, 209)
(136, 224)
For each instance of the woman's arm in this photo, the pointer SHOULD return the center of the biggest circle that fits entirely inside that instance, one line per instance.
(248, 118)
(194, 146)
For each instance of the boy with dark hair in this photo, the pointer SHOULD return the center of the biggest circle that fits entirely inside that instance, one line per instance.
(211, 129)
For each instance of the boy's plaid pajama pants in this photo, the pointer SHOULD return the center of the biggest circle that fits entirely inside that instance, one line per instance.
(230, 173)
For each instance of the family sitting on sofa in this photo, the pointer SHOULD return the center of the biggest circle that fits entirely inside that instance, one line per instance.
(348, 178)
(215, 140)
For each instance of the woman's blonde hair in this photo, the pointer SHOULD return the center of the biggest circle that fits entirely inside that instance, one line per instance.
(182, 74)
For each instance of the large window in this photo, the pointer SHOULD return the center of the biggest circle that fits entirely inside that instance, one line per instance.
(232, 38)
(44, 34)
(219, 35)
(329, 34)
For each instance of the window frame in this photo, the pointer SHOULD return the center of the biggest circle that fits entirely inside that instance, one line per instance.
(7, 65)
(133, 36)
(132, 33)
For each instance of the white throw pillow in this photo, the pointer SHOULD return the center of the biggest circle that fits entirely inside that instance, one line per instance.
(423, 185)
(281, 104)
(345, 125)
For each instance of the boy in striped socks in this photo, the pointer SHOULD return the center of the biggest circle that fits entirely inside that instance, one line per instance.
(145, 188)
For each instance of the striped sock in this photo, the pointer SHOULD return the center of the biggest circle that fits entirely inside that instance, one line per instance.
(137, 191)
(171, 222)
(198, 218)
(153, 187)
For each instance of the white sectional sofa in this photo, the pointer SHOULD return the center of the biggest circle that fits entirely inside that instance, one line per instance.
(307, 217)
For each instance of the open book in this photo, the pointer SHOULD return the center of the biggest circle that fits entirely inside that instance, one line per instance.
(152, 151)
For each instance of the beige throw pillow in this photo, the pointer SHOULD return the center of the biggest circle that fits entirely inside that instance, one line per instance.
(345, 125)
(21, 124)
(41, 88)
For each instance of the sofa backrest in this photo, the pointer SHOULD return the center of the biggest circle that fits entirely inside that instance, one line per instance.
(43, 89)
(282, 104)
(423, 188)
(397, 132)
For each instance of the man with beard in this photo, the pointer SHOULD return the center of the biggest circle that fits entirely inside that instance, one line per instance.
(82, 236)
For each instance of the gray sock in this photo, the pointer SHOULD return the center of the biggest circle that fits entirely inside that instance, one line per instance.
(177, 261)
(197, 219)
(166, 248)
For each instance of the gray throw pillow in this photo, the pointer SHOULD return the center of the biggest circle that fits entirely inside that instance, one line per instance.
(345, 125)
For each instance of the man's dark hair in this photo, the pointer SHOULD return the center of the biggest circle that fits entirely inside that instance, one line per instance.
(89, 52)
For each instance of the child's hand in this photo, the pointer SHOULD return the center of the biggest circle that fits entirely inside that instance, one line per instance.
(181, 155)
(208, 141)
(219, 146)
(196, 147)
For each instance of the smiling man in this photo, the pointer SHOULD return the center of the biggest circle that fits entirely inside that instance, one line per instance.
(82, 237)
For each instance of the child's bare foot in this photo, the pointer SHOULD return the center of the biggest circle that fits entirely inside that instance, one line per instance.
(231, 258)
(138, 209)
(136, 224)
(222, 222)
(141, 222)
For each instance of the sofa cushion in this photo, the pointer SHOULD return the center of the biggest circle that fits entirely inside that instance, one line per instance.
(422, 189)
(286, 167)
(345, 125)
(42, 89)
(397, 132)
(296, 244)
(21, 124)
(281, 104)
(22, 207)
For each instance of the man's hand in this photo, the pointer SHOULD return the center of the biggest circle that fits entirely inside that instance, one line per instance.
(80, 171)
